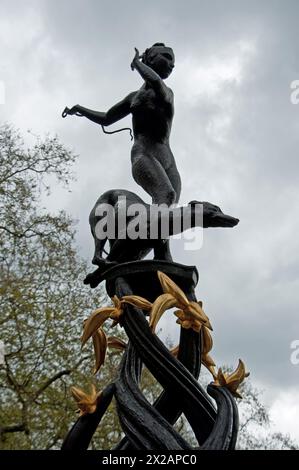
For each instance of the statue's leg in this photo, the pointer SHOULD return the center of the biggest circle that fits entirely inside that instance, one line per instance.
(151, 176)
(98, 251)
(163, 186)
(175, 179)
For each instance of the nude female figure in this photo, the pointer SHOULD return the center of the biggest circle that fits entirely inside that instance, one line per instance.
(152, 109)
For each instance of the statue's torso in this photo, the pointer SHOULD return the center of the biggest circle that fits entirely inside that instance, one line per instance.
(152, 115)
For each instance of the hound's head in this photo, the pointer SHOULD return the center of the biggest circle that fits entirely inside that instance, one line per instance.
(213, 215)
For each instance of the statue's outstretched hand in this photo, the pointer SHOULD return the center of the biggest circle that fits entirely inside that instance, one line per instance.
(136, 59)
(71, 111)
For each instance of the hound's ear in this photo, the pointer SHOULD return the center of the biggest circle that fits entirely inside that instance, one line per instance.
(193, 203)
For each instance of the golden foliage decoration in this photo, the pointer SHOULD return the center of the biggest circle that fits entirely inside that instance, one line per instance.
(100, 315)
(233, 380)
(87, 402)
(190, 313)
(100, 344)
(116, 343)
(92, 326)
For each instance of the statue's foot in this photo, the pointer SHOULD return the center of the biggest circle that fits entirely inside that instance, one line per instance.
(93, 279)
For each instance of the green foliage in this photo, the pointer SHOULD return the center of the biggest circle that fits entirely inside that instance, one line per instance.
(42, 298)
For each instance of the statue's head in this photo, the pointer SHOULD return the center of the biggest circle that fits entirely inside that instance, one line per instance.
(160, 58)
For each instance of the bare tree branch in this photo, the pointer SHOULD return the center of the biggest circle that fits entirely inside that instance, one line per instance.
(58, 376)
(12, 428)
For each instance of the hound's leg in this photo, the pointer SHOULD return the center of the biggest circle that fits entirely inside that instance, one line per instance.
(162, 251)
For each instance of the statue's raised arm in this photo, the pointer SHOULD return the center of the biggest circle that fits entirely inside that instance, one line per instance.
(164, 65)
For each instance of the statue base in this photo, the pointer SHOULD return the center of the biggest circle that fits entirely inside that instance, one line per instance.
(143, 279)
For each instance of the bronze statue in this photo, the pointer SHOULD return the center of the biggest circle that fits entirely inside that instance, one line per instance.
(139, 287)
(153, 164)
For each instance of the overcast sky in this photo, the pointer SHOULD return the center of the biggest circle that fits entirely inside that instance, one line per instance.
(235, 139)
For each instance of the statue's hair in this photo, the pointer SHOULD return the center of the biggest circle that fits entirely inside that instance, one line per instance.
(147, 52)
